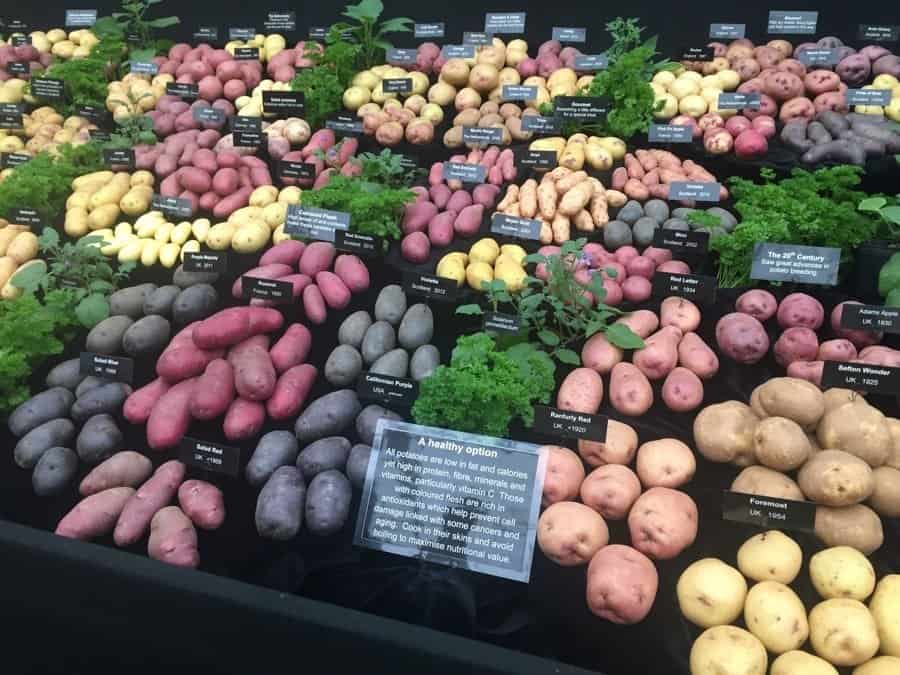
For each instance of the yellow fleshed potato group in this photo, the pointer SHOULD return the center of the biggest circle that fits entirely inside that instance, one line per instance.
(486, 260)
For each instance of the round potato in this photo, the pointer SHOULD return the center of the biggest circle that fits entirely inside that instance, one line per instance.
(662, 523)
(621, 584)
(724, 433)
(755, 405)
(611, 490)
(619, 448)
(857, 526)
(885, 497)
(711, 593)
(759, 480)
(770, 556)
(776, 616)
(880, 665)
(843, 632)
(836, 478)
(797, 662)
(665, 463)
(564, 475)
(884, 607)
(728, 650)
(570, 533)
(780, 444)
(836, 397)
(842, 572)
(857, 428)
(793, 398)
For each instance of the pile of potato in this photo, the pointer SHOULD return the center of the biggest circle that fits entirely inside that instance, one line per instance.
(75, 45)
(366, 86)
(692, 94)
(579, 149)
(135, 94)
(12, 90)
(843, 450)
(391, 122)
(18, 250)
(100, 199)
(507, 117)
(841, 629)
(486, 260)
(647, 173)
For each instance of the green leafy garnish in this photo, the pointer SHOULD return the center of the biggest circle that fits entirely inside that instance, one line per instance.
(323, 85)
(389, 169)
(368, 33)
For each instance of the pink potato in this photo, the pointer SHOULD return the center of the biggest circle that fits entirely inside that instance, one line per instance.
(695, 355)
(195, 180)
(416, 247)
(742, 338)
(292, 348)
(759, 304)
(735, 125)
(621, 584)
(171, 416)
(287, 252)
(563, 476)
(314, 304)
(682, 390)
(333, 290)
(767, 106)
(674, 267)
(291, 390)
(124, 469)
(662, 523)
(782, 85)
(831, 100)
(797, 108)
(353, 272)
(173, 539)
(624, 255)
(600, 354)
(836, 350)
(614, 292)
(203, 503)
(657, 255)
(225, 181)
(214, 391)
(750, 143)
(95, 515)
(642, 322)
(765, 125)
(223, 329)
(860, 338)
(640, 266)
(244, 419)
(667, 463)
(468, 222)
(800, 309)
(611, 490)
(233, 202)
(581, 391)
(139, 404)
(440, 228)
(619, 447)
(317, 257)
(153, 495)
(811, 371)
(637, 289)
(821, 81)
(570, 533)
(660, 353)
(254, 374)
(629, 390)
(679, 312)
(204, 159)
(796, 344)
(881, 356)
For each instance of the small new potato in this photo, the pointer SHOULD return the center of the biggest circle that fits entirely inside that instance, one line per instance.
(843, 632)
(775, 615)
(770, 556)
(795, 662)
(570, 533)
(885, 608)
(728, 650)
(842, 572)
(711, 593)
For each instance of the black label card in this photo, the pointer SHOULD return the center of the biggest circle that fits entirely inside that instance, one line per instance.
(818, 57)
(696, 243)
(17, 68)
(467, 173)
(344, 124)
(670, 133)
(207, 34)
(792, 23)
(458, 51)
(9, 160)
(17, 25)
(242, 34)
(397, 85)
(518, 92)
(80, 18)
(317, 32)
(184, 90)
(514, 226)
(20, 40)
(430, 286)
(697, 54)
(100, 135)
(476, 38)
(881, 97)
(48, 88)
(694, 287)
(395, 391)
(174, 207)
(428, 30)
(561, 34)
(247, 131)
(502, 323)
(768, 512)
(395, 55)
(208, 114)
(281, 21)
(119, 158)
(482, 135)
(307, 221)
(10, 116)
(284, 103)
(590, 62)
(116, 368)
(582, 107)
(289, 169)
(208, 261)
(873, 318)
(93, 113)
(792, 262)
(883, 380)
(143, 67)
(733, 100)
(536, 159)
(365, 245)
(727, 31)
(208, 456)
(541, 125)
(29, 217)
(567, 424)
(878, 32)
(246, 53)
(504, 22)
(704, 191)
(254, 288)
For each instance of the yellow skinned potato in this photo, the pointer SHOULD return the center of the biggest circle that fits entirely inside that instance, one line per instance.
(794, 662)
(842, 572)
(770, 556)
(843, 632)
(103, 216)
(776, 616)
(711, 593)
(219, 236)
(728, 650)
(169, 255)
(885, 608)
(250, 238)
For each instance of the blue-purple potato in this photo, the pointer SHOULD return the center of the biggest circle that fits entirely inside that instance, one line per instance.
(343, 366)
(742, 338)
(275, 449)
(107, 398)
(328, 502)
(184, 279)
(130, 301)
(43, 407)
(99, 439)
(353, 329)
(417, 327)
(88, 383)
(393, 364)
(327, 416)
(279, 507)
(367, 421)
(67, 374)
(194, 303)
(161, 300)
(54, 471)
(106, 336)
(323, 455)
(147, 336)
(424, 361)
(390, 305)
(621, 584)
(380, 338)
(358, 464)
(35, 443)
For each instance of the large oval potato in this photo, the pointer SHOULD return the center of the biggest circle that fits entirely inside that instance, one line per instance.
(842, 572)
(570, 533)
(665, 463)
(581, 391)
(836, 478)
(843, 632)
(723, 432)
(883, 605)
(662, 523)
(780, 444)
(760, 480)
(619, 448)
(564, 475)
(600, 354)
(728, 650)
(775, 615)
(857, 428)
(611, 490)
(857, 526)
(770, 556)
(629, 390)
(621, 584)
(711, 593)
(793, 398)
(796, 662)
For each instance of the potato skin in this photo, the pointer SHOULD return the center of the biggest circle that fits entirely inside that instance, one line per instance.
(857, 428)
(760, 480)
(793, 398)
(679, 312)
(570, 533)
(328, 502)
(564, 475)
(99, 439)
(621, 584)
(742, 338)
(843, 632)
(660, 354)
(611, 490)
(883, 606)
(776, 616)
(279, 506)
(642, 322)
(123, 469)
(107, 398)
(662, 523)
(173, 539)
(695, 355)
(857, 526)
(327, 416)
(836, 478)
(728, 649)
(619, 448)
(711, 593)
(800, 309)
(759, 304)
(665, 463)
(880, 665)
(682, 391)
(600, 354)
(322, 455)
(770, 556)
(31, 446)
(793, 662)
(95, 515)
(723, 432)
(780, 444)
(54, 471)
(885, 497)
(54, 403)
(274, 449)
(581, 391)
(629, 390)
(842, 572)
(203, 503)
(153, 495)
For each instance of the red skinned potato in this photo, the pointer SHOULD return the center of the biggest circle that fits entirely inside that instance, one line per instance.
(765, 125)
(291, 390)
(171, 416)
(223, 329)
(203, 503)
(637, 289)
(333, 290)
(767, 106)
(718, 141)
(153, 495)
(820, 81)
(674, 267)
(214, 391)
(735, 125)
(292, 348)
(742, 338)
(782, 85)
(468, 222)
(667, 463)
(800, 309)
(660, 354)
(836, 350)
(254, 374)
(139, 404)
(353, 272)
(811, 371)
(287, 252)
(797, 108)
(317, 257)
(244, 419)
(630, 392)
(416, 247)
(123, 469)
(792, 66)
(682, 390)
(581, 391)
(564, 475)
(570, 533)
(95, 515)
(642, 322)
(859, 338)
(831, 100)
(619, 447)
(621, 584)
(662, 523)
(417, 216)
(611, 490)
(440, 228)
(600, 354)
(759, 304)
(314, 304)
(750, 143)
(697, 356)
(679, 312)
(748, 68)
(173, 539)
(796, 344)
(768, 57)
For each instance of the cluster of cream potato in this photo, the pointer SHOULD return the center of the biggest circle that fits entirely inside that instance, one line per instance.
(366, 87)
(13, 90)
(18, 250)
(689, 93)
(135, 94)
(73, 45)
(268, 45)
(573, 152)
(101, 198)
(252, 105)
(44, 129)
(486, 260)
(892, 109)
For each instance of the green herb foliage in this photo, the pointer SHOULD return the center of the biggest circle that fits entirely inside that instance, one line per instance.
(888, 210)
(812, 208)
(323, 85)
(483, 389)
(369, 33)
(130, 132)
(390, 169)
(86, 79)
(374, 209)
(44, 183)
(131, 24)
(557, 311)
(30, 332)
